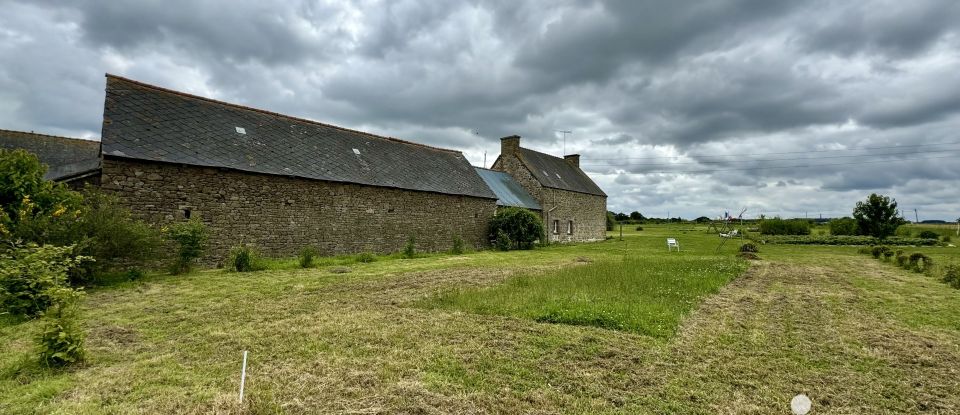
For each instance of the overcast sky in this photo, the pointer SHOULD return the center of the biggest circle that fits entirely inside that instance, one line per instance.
(692, 108)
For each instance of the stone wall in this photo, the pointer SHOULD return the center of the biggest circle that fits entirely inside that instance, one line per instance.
(515, 168)
(280, 214)
(588, 213)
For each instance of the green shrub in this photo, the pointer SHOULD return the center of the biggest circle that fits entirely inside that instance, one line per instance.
(919, 262)
(245, 258)
(749, 247)
(306, 256)
(951, 275)
(777, 226)
(844, 240)
(521, 225)
(879, 251)
(503, 241)
(43, 212)
(902, 260)
(60, 342)
(639, 228)
(928, 234)
(33, 279)
(946, 238)
(863, 251)
(457, 246)
(191, 240)
(365, 257)
(888, 253)
(105, 231)
(30, 207)
(843, 226)
(33, 282)
(410, 249)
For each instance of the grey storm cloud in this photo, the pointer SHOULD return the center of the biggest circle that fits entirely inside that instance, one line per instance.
(674, 106)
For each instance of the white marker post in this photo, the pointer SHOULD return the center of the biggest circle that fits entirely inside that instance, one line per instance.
(243, 375)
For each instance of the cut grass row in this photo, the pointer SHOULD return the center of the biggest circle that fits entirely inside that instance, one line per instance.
(648, 295)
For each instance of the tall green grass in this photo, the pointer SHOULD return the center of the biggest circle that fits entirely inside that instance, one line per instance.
(646, 295)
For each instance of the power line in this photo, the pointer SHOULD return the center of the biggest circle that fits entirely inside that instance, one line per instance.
(767, 160)
(799, 166)
(779, 153)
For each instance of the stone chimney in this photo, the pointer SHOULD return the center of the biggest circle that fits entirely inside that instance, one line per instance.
(573, 159)
(510, 145)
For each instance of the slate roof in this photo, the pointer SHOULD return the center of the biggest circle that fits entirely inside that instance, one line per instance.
(557, 173)
(64, 157)
(508, 191)
(146, 122)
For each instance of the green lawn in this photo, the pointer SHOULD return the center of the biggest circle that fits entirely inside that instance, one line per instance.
(403, 336)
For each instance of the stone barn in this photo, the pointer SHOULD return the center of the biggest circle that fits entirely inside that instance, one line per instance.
(281, 182)
(69, 160)
(572, 206)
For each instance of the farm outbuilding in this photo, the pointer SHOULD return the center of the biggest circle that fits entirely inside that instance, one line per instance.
(282, 183)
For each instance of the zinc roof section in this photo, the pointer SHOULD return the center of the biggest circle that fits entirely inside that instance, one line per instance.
(63, 156)
(146, 122)
(508, 191)
(557, 173)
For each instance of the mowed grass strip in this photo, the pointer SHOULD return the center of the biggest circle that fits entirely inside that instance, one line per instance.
(646, 295)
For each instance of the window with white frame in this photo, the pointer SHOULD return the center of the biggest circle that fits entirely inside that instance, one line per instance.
(570, 227)
(556, 226)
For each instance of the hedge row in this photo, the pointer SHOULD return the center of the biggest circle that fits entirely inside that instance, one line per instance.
(844, 240)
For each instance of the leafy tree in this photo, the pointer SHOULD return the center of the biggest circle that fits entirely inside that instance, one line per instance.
(702, 219)
(611, 221)
(636, 216)
(877, 216)
(621, 216)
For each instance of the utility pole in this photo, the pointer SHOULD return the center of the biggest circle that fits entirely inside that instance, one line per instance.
(564, 140)
(916, 215)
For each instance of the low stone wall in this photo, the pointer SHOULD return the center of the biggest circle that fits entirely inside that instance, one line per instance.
(280, 214)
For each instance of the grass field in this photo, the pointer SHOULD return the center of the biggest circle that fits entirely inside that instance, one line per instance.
(646, 295)
(459, 334)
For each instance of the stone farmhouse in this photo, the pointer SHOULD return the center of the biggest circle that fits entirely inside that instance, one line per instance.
(281, 182)
(573, 206)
